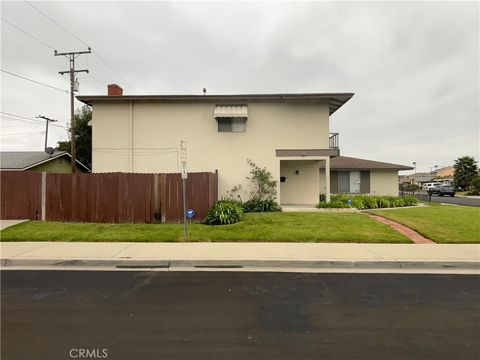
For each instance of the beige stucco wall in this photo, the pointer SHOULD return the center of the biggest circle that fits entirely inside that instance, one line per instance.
(270, 126)
(299, 189)
(384, 182)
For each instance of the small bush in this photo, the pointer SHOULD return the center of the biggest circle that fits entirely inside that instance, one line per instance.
(334, 204)
(475, 186)
(257, 205)
(410, 200)
(224, 212)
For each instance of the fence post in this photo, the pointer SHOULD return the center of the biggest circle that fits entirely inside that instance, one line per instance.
(163, 198)
(43, 196)
(156, 208)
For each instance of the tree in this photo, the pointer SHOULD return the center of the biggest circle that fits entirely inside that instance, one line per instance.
(466, 170)
(83, 136)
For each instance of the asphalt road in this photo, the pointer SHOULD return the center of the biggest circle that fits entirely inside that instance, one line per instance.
(234, 315)
(457, 200)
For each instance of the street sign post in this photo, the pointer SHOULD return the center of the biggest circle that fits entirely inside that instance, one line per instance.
(183, 157)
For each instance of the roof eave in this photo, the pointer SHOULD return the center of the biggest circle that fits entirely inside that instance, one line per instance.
(335, 100)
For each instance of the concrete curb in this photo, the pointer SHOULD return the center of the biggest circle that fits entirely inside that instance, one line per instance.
(226, 264)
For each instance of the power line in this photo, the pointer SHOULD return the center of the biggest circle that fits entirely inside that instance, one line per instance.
(26, 33)
(26, 119)
(64, 29)
(44, 43)
(22, 133)
(94, 78)
(34, 81)
(30, 121)
(113, 70)
(22, 117)
(83, 42)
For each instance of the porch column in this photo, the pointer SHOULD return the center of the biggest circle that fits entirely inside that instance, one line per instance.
(327, 179)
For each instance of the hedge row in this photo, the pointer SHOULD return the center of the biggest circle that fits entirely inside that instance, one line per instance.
(362, 202)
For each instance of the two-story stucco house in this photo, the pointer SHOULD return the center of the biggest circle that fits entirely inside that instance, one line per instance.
(287, 133)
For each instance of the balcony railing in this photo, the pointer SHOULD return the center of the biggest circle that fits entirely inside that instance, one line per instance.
(333, 141)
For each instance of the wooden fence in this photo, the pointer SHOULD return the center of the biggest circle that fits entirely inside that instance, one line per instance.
(105, 197)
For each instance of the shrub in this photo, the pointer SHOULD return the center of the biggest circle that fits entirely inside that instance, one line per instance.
(410, 200)
(475, 186)
(224, 212)
(362, 202)
(263, 190)
(262, 185)
(334, 204)
(257, 205)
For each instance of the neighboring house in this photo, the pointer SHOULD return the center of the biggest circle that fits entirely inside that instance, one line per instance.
(286, 133)
(446, 172)
(58, 162)
(422, 178)
(405, 180)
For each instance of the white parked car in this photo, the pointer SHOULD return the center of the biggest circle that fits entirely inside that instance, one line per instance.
(431, 185)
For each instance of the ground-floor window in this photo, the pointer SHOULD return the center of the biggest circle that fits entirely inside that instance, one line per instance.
(350, 182)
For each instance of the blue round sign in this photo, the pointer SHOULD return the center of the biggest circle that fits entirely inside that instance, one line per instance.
(190, 213)
(349, 201)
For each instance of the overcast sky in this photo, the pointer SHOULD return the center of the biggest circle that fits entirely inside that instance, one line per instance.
(413, 66)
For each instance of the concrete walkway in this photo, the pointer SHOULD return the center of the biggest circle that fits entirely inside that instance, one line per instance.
(240, 255)
(6, 223)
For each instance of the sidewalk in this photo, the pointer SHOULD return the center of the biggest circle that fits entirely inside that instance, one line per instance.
(287, 256)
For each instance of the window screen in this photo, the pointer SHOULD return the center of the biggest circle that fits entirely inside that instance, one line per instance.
(231, 124)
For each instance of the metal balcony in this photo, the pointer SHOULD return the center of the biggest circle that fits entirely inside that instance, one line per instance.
(333, 141)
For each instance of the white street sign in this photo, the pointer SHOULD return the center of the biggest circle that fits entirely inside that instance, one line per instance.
(183, 156)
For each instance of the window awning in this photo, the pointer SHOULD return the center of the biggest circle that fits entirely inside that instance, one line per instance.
(231, 111)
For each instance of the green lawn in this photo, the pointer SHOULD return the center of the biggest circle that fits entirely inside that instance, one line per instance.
(302, 227)
(441, 223)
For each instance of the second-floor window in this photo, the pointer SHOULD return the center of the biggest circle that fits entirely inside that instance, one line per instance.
(232, 124)
(231, 118)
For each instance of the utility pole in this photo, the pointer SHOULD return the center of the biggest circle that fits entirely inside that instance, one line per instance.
(48, 120)
(73, 88)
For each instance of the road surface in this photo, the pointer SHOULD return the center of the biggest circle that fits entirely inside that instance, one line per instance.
(238, 315)
(457, 200)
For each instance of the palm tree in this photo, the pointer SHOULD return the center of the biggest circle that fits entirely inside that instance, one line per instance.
(466, 170)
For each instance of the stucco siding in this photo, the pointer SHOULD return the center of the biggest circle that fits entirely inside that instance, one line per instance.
(154, 131)
(384, 182)
(60, 165)
(301, 187)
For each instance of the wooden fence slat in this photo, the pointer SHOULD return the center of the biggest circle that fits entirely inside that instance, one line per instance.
(105, 197)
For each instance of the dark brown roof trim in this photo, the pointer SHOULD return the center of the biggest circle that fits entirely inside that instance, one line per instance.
(349, 163)
(307, 152)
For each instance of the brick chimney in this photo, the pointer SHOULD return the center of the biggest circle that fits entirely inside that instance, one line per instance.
(114, 90)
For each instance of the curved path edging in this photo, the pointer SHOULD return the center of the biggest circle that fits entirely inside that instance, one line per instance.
(402, 229)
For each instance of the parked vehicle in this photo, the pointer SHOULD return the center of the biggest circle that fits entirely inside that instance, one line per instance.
(431, 185)
(442, 190)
